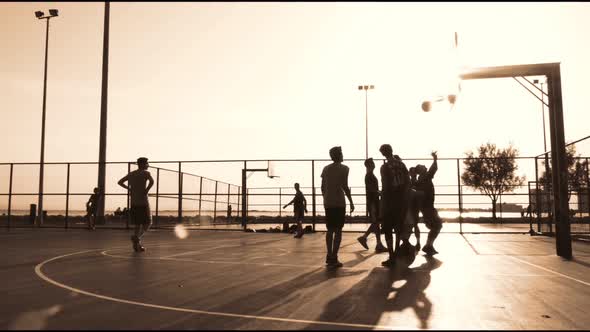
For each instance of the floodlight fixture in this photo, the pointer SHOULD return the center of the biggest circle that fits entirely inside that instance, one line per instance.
(39, 14)
(53, 12)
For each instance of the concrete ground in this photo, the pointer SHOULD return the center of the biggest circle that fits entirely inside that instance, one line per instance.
(78, 279)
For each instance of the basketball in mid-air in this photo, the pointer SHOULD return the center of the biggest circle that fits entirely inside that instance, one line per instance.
(452, 99)
(426, 106)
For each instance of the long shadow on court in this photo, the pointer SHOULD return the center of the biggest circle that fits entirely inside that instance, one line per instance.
(280, 300)
(370, 298)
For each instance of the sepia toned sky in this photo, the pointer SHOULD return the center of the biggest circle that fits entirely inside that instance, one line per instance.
(198, 81)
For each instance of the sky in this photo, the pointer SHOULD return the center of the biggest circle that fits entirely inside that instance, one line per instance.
(247, 80)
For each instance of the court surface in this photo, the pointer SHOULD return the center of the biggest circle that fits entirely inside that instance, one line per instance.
(77, 279)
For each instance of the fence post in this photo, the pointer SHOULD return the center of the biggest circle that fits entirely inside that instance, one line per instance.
(538, 202)
(200, 197)
(280, 202)
(215, 203)
(228, 202)
(68, 197)
(238, 196)
(128, 211)
(244, 197)
(549, 194)
(587, 192)
(157, 196)
(313, 217)
(459, 192)
(10, 196)
(180, 192)
(529, 209)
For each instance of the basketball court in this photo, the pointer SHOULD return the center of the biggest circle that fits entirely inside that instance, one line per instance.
(75, 279)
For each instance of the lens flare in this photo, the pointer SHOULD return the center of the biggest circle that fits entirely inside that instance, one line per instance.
(180, 231)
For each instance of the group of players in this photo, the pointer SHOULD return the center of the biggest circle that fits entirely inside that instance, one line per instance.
(405, 193)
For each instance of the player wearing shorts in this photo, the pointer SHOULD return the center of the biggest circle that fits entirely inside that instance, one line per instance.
(299, 210)
(334, 188)
(91, 207)
(372, 198)
(395, 185)
(139, 212)
(431, 218)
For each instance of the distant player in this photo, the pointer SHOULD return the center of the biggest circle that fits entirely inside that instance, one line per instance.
(372, 197)
(91, 207)
(299, 210)
(139, 212)
(334, 187)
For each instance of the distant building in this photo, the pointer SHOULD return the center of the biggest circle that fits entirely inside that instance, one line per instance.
(511, 207)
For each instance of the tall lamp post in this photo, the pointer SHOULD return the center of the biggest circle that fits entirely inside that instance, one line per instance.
(544, 134)
(40, 15)
(543, 114)
(366, 88)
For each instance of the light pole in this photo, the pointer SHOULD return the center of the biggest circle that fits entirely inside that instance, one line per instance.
(40, 15)
(366, 88)
(543, 114)
(544, 136)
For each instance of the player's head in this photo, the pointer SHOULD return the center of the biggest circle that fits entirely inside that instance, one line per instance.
(96, 190)
(336, 154)
(296, 186)
(412, 171)
(386, 150)
(421, 169)
(142, 163)
(370, 164)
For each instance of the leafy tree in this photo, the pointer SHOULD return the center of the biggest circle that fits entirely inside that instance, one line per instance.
(576, 173)
(492, 171)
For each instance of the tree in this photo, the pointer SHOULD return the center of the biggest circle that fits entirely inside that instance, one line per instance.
(492, 172)
(577, 178)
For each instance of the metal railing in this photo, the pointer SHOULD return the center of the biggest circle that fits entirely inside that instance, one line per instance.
(180, 195)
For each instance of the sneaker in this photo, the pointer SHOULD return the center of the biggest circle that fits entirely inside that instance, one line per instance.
(380, 248)
(328, 259)
(140, 248)
(135, 242)
(429, 250)
(363, 241)
(335, 263)
(388, 263)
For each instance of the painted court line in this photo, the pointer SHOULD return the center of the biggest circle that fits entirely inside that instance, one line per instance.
(549, 270)
(40, 274)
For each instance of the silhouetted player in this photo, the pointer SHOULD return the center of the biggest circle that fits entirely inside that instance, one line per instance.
(299, 209)
(430, 214)
(395, 185)
(372, 198)
(334, 187)
(91, 207)
(139, 212)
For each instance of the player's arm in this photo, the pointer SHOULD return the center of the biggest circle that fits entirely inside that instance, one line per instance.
(323, 184)
(304, 203)
(434, 167)
(122, 182)
(291, 202)
(347, 192)
(150, 182)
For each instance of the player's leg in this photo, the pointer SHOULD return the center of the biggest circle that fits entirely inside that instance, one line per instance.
(339, 221)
